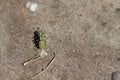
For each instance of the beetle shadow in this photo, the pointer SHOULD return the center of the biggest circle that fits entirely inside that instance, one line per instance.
(36, 39)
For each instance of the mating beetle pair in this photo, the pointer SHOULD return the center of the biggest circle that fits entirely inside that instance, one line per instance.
(39, 40)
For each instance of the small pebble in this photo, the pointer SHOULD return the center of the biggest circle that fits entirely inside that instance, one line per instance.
(31, 6)
(118, 59)
(116, 75)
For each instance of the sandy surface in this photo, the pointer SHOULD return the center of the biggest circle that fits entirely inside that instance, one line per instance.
(83, 34)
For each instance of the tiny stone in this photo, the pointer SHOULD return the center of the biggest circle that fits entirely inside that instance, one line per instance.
(117, 11)
(31, 6)
(80, 14)
(118, 59)
(42, 69)
(116, 75)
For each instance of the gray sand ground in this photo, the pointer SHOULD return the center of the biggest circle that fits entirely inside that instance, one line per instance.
(84, 35)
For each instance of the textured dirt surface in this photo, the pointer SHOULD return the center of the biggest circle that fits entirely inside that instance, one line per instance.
(83, 34)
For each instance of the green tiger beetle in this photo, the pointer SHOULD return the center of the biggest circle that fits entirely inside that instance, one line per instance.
(39, 39)
(40, 44)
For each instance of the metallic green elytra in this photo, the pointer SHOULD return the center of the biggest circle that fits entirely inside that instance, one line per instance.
(41, 40)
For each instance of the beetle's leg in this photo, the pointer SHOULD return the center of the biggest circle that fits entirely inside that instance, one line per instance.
(31, 59)
(51, 61)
